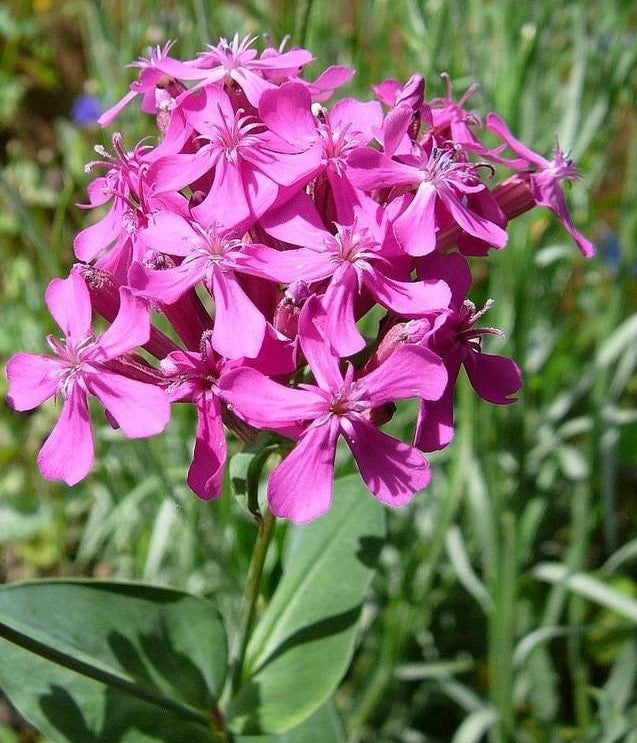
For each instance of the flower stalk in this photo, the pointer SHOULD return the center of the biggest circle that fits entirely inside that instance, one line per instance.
(266, 527)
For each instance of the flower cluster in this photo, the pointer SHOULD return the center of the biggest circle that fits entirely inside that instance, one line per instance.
(263, 225)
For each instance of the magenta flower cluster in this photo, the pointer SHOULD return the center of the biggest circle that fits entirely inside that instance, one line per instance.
(263, 225)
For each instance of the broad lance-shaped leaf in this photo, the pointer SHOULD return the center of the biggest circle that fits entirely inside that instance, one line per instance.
(303, 644)
(67, 707)
(324, 726)
(88, 661)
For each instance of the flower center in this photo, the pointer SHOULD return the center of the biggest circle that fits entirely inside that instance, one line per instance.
(233, 133)
(467, 318)
(354, 246)
(442, 168)
(347, 399)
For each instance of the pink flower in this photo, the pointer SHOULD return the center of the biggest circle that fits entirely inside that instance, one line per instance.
(453, 335)
(545, 178)
(450, 118)
(237, 61)
(248, 162)
(113, 241)
(157, 73)
(443, 181)
(84, 364)
(211, 255)
(300, 488)
(192, 377)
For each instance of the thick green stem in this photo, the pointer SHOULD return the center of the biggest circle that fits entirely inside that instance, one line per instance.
(251, 596)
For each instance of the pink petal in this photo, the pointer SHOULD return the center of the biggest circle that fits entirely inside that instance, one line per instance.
(174, 172)
(395, 128)
(415, 228)
(472, 222)
(346, 198)
(69, 451)
(284, 265)
(95, 238)
(277, 355)
(392, 470)
(140, 409)
(32, 379)
(434, 425)
(239, 326)
(369, 169)
(293, 59)
(107, 117)
(174, 140)
(341, 330)
(497, 126)
(182, 71)
(297, 222)
(129, 330)
(331, 78)
(226, 201)
(170, 233)
(99, 192)
(287, 111)
(69, 302)
(253, 85)
(316, 347)
(300, 488)
(167, 285)
(267, 404)
(495, 378)
(362, 119)
(207, 106)
(409, 298)
(285, 168)
(548, 193)
(261, 191)
(387, 91)
(411, 371)
(205, 475)
(452, 268)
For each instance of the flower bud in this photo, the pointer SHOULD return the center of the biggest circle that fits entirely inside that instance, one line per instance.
(286, 315)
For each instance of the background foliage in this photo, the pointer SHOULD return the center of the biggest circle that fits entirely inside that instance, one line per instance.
(506, 604)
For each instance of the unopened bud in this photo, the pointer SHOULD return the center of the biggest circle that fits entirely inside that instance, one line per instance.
(413, 331)
(286, 315)
(412, 92)
(514, 195)
(381, 415)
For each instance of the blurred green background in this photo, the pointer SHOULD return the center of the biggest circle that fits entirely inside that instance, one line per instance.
(505, 608)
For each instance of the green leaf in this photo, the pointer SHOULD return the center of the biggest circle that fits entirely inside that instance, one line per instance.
(302, 646)
(591, 588)
(91, 661)
(619, 688)
(475, 726)
(619, 341)
(324, 725)
(461, 563)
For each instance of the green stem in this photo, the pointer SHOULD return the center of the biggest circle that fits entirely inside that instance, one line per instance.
(251, 596)
(501, 633)
(580, 520)
(301, 36)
